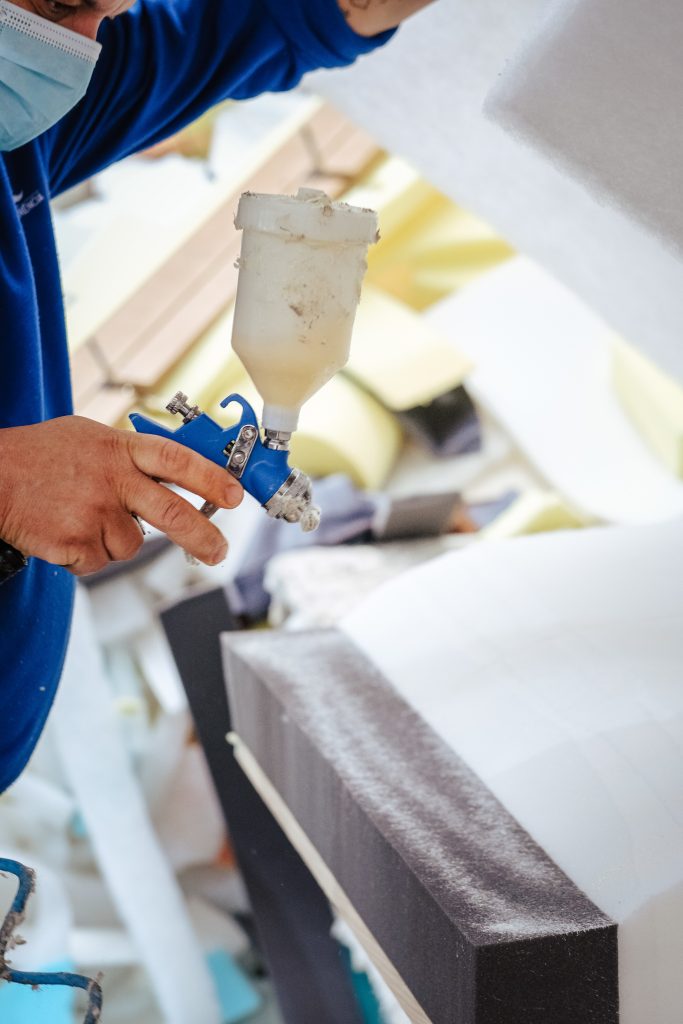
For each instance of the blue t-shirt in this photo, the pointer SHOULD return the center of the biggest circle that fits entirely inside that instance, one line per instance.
(162, 65)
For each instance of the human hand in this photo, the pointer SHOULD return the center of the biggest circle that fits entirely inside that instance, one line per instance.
(69, 488)
(368, 17)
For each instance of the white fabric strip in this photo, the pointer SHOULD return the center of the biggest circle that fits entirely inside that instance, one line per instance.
(108, 793)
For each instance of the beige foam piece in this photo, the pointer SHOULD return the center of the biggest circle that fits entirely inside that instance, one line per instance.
(653, 401)
(534, 512)
(344, 430)
(428, 246)
(395, 190)
(398, 356)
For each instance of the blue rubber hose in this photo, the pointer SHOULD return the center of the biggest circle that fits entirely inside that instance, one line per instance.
(15, 915)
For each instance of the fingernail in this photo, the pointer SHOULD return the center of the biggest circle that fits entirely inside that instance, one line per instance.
(232, 492)
(220, 554)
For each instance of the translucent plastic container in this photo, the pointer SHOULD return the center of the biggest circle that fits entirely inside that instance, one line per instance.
(301, 267)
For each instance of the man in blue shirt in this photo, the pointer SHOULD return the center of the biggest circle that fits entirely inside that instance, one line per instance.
(84, 83)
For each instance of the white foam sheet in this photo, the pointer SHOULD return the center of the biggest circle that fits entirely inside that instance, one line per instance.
(542, 367)
(139, 877)
(423, 97)
(598, 88)
(552, 665)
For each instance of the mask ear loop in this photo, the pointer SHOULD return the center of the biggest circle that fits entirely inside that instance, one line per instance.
(35, 27)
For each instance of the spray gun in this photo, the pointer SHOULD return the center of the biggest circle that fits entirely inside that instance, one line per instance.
(260, 465)
(301, 267)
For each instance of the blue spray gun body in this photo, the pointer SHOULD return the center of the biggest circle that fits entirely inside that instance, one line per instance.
(262, 467)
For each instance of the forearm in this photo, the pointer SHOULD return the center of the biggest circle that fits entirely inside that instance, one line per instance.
(165, 63)
(370, 17)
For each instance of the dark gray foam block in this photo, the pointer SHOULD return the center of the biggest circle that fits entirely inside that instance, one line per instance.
(292, 917)
(482, 925)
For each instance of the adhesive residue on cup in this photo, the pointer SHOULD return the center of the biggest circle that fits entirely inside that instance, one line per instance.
(301, 268)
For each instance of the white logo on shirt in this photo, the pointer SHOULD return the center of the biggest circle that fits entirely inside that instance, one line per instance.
(25, 206)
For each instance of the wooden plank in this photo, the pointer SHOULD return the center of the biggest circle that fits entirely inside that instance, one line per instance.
(108, 405)
(176, 335)
(352, 153)
(87, 374)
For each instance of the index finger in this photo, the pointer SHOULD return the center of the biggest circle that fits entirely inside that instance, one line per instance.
(179, 520)
(173, 463)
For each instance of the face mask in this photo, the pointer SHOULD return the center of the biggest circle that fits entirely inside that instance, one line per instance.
(44, 71)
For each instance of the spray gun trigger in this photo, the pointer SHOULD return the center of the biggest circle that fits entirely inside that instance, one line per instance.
(248, 416)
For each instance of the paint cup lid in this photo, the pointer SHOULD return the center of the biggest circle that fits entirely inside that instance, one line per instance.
(309, 215)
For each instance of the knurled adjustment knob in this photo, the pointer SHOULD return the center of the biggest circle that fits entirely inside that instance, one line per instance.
(180, 404)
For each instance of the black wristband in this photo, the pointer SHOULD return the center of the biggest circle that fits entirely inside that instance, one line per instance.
(11, 561)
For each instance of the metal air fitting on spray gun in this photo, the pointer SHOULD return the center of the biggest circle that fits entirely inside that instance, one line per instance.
(261, 466)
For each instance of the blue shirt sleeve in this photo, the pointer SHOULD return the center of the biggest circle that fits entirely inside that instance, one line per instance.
(165, 62)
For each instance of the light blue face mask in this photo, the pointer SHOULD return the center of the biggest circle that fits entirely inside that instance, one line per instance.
(44, 71)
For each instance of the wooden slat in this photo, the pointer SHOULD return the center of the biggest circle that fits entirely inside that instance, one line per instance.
(352, 153)
(163, 350)
(325, 125)
(140, 316)
(87, 374)
(108, 405)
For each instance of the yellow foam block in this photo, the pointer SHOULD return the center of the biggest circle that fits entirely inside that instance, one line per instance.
(344, 430)
(393, 188)
(428, 245)
(534, 512)
(398, 356)
(653, 401)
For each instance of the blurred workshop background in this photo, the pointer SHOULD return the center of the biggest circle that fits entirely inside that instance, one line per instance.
(427, 441)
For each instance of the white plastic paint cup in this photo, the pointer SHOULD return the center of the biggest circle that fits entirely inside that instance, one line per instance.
(301, 267)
